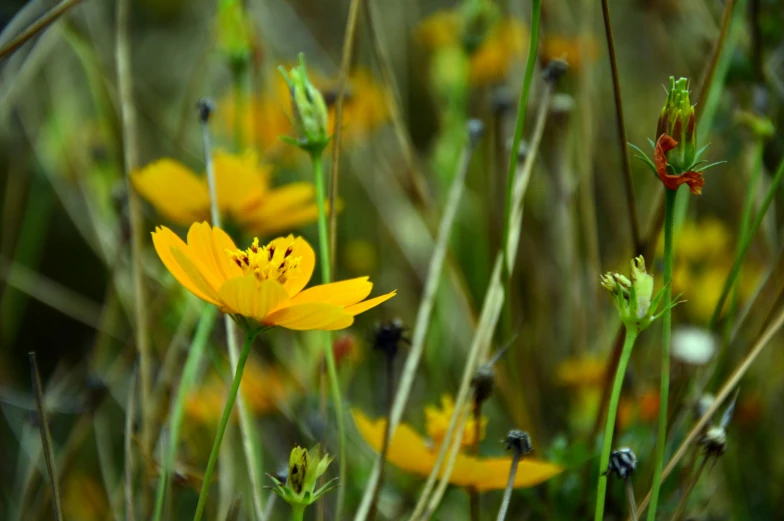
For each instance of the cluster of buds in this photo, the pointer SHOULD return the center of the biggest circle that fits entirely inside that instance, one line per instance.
(305, 467)
(309, 111)
(634, 299)
(676, 158)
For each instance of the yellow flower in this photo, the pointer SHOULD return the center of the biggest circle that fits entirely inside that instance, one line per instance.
(262, 388)
(505, 42)
(584, 371)
(243, 189)
(263, 283)
(437, 422)
(83, 498)
(413, 453)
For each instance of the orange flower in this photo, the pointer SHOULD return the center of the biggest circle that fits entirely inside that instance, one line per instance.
(413, 453)
(243, 188)
(263, 283)
(694, 179)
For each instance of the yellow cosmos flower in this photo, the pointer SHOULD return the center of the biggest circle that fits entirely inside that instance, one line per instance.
(413, 453)
(263, 283)
(244, 193)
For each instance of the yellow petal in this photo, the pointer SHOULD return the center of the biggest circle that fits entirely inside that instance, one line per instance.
(356, 309)
(493, 473)
(174, 191)
(200, 277)
(240, 181)
(249, 297)
(166, 243)
(205, 243)
(407, 449)
(286, 197)
(324, 317)
(307, 263)
(343, 293)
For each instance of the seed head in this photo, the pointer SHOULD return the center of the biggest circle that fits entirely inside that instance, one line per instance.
(622, 462)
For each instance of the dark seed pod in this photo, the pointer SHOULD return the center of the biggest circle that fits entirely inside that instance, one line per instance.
(205, 106)
(622, 462)
(483, 382)
(715, 441)
(386, 336)
(520, 441)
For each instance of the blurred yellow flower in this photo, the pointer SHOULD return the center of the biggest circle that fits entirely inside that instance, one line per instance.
(84, 498)
(413, 453)
(703, 257)
(263, 283)
(263, 118)
(582, 371)
(262, 388)
(505, 42)
(243, 188)
(576, 54)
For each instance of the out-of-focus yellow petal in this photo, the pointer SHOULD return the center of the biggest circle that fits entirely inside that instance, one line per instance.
(356, 309)
(241, 182)
(343, 293)
(440, 29)
(286, 197)
(493, 473)
(166, 244)
(326, 317)
(174, 191)
(407, 449)
(250, 297)
(205, 244)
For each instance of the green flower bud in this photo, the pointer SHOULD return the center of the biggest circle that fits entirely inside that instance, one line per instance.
(678, 121)
(634, 299)
(305, 467)
(308, 108)
(478, 17)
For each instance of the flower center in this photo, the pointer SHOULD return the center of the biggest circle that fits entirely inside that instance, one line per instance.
(273, 261)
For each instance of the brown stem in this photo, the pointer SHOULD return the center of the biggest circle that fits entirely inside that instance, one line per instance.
(39, 25)
(686, 493)
(632, 207)
(706, 80)
(390, 395)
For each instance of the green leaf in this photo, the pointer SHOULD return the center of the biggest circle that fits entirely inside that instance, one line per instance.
(705, 167)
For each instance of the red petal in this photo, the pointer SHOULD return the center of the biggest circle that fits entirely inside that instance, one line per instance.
(693, 179)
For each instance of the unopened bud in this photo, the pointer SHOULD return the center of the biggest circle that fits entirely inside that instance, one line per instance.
(622, 462)
(308, 108)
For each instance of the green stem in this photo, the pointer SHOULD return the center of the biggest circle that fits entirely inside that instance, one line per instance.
(297, 513)
(612, 412)
(664, 393)
(536, 11)
(195, 353)
(332, 372)
(743, 247)
(250, 336)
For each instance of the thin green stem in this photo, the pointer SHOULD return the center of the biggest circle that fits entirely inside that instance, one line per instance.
(195, 353)
(332, 372)
(664, 393)
(514, 155)
(744, 245)
(612, 412)
(250, 336)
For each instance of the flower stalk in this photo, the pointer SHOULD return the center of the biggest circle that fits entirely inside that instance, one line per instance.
(664, 392)
(520, 443)
(250, 335)
(612, 412)
(310, 119)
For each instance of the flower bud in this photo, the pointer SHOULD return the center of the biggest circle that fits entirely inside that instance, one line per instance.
(305, 467)
(622, 462)
(677, 120)
(634, 299)
(309, 111)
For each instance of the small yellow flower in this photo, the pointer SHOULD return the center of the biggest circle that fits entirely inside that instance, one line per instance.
(243, 188)
(263, 283)
(413, 453)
